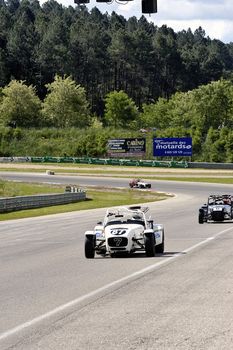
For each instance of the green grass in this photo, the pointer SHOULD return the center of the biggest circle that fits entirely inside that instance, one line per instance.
(96, 198)
(12, 189)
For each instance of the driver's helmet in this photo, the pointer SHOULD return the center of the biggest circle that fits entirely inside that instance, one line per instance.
(136, 217)
(132, 182)
(226, 200)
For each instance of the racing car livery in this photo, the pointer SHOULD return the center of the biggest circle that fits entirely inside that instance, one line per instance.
(138, 183)
(125, 230)
(218, 208)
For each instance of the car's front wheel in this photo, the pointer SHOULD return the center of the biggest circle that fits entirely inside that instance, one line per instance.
(201, 218)
(89, 247)
(150, 245)
(159, 249)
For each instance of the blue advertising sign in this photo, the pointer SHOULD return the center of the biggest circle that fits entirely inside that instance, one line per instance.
(172, 147)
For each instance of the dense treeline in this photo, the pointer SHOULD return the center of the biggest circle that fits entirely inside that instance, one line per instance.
(205, 114)
(71, 79)
(104, 52)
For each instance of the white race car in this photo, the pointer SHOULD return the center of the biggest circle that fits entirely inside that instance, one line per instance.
(125, 230)
(138, 183)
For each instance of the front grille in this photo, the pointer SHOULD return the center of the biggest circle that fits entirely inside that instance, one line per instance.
(218, 215)
(117, 241)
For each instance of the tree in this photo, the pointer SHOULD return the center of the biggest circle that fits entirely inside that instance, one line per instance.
(4, 72)
(168, 61)
(66, 105)
(52, 26)
(89, 61)
(212, 105)
(5, 23)
(20, 105)
(214, 148)
(156, 115)
(229, 147)
(22, 40)
(120, 110)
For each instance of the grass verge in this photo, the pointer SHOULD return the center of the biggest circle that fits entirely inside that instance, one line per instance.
(96, 198)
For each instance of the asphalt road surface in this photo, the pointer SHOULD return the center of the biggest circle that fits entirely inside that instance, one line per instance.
(51, 297)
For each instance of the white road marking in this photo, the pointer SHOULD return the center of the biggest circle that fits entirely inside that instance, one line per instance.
(76, 301)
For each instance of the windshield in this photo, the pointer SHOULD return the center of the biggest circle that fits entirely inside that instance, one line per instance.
(124, 216)
(220, 200)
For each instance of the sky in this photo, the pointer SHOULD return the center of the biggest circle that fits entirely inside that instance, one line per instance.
(214, 16)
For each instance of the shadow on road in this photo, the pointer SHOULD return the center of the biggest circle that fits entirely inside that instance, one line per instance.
(139, 255)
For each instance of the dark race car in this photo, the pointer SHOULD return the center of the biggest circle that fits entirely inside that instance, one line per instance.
(218, 208)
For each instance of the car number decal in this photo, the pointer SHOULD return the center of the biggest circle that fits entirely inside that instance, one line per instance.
(117, 232)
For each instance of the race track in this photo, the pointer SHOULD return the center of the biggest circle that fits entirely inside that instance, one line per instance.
(54, 298)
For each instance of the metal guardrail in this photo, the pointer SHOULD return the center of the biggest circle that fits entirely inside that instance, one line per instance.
(204, 165)
(37, 201)
(111, 161)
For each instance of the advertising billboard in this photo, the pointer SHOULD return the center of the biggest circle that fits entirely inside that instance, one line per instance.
(130, 147)
(172, 147)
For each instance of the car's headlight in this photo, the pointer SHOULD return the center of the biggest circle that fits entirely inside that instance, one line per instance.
(99, 233)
